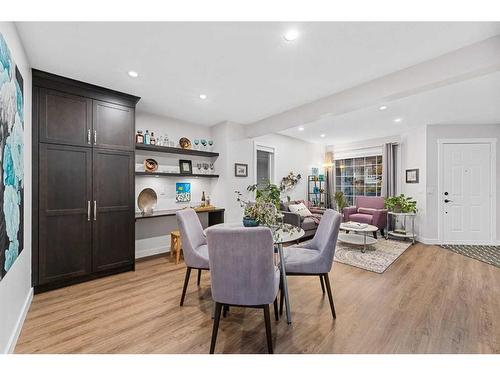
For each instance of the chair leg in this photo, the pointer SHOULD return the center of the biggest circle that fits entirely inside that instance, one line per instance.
(375, 234)
(276, 312)
(186, 282)
(171, 247)
(177, 246)
(218, 308)
(322, 283)
(282, 299)
(199, 278)
(267, 319)
(330, 298)
(382, 232)
(225, 310)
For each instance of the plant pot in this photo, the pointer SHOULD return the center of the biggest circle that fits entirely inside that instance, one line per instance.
(249, 222)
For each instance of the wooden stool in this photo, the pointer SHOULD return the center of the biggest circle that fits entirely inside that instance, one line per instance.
(175, 245)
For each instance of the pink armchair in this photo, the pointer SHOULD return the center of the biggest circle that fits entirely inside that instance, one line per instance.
(369, 210)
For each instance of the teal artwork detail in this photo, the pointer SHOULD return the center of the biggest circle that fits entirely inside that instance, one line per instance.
(11, 160)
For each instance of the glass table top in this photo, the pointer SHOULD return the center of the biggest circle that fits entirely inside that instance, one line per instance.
(281, 234)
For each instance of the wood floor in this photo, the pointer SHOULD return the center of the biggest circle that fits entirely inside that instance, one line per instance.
(429, 301)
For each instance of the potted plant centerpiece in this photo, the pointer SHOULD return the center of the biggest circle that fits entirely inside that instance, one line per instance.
(264, 211)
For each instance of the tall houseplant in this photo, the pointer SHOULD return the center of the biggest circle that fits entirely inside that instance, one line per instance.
(340, 201)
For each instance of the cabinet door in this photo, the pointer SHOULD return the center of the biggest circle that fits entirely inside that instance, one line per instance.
(65, 229)
(64, 118)
(114, 230)
(114, 126)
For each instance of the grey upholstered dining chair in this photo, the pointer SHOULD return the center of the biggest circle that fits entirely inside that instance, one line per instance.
(315, 257)
(243, 272)
(194, 245)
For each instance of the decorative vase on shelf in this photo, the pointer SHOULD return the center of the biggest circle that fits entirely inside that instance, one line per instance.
(249, 222)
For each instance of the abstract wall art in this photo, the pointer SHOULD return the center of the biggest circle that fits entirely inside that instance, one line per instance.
(182, 192)
(11, 160)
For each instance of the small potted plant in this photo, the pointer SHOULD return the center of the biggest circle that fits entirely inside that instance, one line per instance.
(401, 203)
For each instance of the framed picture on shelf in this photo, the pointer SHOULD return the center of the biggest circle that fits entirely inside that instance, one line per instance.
(412, 176)
(240, 170)
(185, 167)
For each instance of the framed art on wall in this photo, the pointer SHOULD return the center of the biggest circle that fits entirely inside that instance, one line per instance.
(240, 170)
(412, 176)
(11, 160)
(186, 167)
(182, 192)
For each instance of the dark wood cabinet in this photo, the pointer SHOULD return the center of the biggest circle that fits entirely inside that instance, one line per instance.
(114, 126)
(113, 240)
(83, 179)
(65, 194)
(64, 118)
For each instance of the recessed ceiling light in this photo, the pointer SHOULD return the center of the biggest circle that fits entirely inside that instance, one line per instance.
(301, 128)
(398, 119)
(382, 107)
(322, 135)
(133, 74)
(291, 35)
(203, 96)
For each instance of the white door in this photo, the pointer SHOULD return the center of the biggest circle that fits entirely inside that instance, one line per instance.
(466, 194)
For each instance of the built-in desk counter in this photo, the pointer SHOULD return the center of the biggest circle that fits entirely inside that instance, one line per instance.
(216, 214)
(153, 235)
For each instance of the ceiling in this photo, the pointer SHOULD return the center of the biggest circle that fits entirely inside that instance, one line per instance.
(473, 101)
(247, 70)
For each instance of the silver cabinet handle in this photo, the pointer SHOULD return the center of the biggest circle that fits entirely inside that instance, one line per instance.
(88, 210)
(95, 210)
(95, 137)
(88, 136)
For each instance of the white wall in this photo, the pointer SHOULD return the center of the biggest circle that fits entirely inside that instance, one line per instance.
(290, 155)
(15, 287)
(435, 132)
(152, 235)
(413, 156)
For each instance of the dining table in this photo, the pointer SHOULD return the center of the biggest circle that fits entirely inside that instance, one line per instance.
(282, 234)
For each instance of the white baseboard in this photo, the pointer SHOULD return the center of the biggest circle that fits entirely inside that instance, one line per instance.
(149, 252)
(11, 346)
(428, 241)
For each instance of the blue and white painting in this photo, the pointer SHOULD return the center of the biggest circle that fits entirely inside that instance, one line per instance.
(182, 192)
(11, 160)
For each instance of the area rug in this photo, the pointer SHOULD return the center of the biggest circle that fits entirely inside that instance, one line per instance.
(485, 254)
(377, 258)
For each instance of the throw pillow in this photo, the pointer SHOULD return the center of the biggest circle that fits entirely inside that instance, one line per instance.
(300, 209)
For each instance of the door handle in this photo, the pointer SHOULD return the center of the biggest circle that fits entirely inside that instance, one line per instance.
(95, 210)
(95, 137)
(88, 210)
(447, 201)
(88, 136)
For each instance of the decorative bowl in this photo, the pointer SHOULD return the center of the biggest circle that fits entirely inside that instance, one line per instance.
(150, 165)
(147, 200)
(185, 143)
(249, 222)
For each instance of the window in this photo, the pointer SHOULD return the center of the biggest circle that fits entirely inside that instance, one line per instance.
(265, 161)
(359, 176)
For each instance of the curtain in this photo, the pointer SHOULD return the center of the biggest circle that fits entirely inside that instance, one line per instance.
(330, 202)
(389, 169)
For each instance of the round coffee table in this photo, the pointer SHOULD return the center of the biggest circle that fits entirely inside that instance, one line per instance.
(359, 237)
